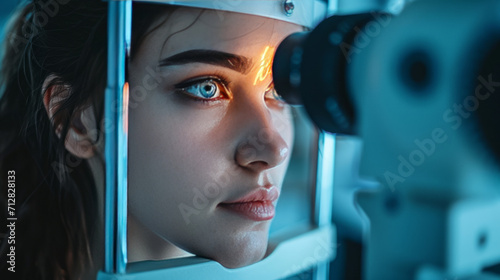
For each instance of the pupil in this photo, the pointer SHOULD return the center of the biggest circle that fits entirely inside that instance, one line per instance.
(208, 90)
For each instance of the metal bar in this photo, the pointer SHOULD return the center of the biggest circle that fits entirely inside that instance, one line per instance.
(324, 179)
(116, 124)
(121, 250)
(324, 192)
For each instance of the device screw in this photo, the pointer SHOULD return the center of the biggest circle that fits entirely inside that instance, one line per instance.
(288, 6)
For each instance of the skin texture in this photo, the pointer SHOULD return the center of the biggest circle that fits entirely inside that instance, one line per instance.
(187, 156)
(189, 153)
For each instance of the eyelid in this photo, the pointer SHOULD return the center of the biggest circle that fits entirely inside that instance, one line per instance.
(200, 79)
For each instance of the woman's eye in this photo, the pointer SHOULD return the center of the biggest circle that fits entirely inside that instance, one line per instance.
(271, 93)
(206, 89)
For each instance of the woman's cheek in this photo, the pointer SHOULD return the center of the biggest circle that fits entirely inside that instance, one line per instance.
(174, 150)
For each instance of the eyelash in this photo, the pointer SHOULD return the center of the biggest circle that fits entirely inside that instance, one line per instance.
(275, 95)
(222, 86)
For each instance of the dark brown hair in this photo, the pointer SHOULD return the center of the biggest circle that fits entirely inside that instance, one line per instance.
(55, 195)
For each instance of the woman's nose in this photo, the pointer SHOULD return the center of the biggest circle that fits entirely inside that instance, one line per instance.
(264, 145)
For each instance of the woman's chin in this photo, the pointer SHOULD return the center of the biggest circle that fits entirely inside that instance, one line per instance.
(242, 260)
(248, 253)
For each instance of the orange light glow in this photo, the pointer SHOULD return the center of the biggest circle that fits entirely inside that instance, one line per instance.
(125, 108)
(266, 62)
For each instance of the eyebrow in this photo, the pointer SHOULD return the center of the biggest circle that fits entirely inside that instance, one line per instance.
(232, 61)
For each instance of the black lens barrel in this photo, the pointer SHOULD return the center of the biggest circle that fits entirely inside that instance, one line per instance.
(310, 68)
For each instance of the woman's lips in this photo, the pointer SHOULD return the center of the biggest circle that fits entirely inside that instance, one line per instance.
(257, 206)
(257, 210)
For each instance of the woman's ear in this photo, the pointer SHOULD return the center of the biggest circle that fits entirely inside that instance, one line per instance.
(78, 140)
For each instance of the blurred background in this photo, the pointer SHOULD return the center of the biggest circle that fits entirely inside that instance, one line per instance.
(6, 8)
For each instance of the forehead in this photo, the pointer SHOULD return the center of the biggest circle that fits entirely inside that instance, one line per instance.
(190, 28)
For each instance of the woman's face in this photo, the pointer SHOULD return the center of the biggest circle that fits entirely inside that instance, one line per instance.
(209, 143)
